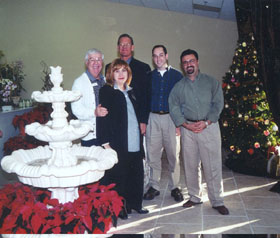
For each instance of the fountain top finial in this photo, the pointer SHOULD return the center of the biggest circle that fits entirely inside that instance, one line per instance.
(56, 77)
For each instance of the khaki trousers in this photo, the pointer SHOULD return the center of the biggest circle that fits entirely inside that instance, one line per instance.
(161, 134)
(203, 149)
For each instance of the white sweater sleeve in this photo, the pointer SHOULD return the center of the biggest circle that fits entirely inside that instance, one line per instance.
(84, 108)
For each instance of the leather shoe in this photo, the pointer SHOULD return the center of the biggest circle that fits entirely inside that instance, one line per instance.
(177, 195)
(151, 193)
(123, 214)
(222, 210)
(191, 204)
(128, 210)
(140, 211)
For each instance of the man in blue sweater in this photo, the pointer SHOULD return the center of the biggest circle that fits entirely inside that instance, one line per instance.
(161, 132)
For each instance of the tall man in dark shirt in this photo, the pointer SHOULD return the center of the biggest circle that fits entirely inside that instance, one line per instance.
(161, 131)
(139, 82)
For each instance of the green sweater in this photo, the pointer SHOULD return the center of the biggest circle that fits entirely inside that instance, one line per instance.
(201, 99)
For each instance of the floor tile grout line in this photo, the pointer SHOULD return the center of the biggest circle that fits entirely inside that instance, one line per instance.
(202, 218)
(243, 205)
(160, 210)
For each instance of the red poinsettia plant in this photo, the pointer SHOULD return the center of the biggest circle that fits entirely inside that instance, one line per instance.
(28, 210)
(39, 114)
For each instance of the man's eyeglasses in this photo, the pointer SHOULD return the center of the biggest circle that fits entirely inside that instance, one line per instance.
(191, 61)
(95, 60)
(124, 44)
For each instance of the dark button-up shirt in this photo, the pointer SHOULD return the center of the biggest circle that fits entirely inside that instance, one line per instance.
(161, 87)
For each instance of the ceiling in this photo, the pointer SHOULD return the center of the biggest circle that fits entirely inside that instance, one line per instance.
(221, 9)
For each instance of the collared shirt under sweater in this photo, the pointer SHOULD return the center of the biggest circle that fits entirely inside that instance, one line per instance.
(161, 86)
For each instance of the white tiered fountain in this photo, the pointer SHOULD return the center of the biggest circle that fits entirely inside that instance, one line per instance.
(60, 166)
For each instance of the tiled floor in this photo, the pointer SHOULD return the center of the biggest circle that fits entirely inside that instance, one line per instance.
(253, 210)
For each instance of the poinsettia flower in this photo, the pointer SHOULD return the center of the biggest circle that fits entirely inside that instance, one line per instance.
(36, 222)
(35, 217)
(56, 230)
(53, 202)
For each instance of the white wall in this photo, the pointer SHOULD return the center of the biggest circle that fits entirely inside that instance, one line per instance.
(60, 32)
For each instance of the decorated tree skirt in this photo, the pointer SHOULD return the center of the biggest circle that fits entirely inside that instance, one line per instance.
(255, 164)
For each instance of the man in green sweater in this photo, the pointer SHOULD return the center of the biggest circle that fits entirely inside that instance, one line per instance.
(195, 104)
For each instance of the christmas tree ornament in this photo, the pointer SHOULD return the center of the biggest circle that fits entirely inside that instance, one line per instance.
(232, 80)
(255, 75)
(266, 122)
(231, 147)
(275, 128)
(225, 124)
(250, 151)
(266, 132)
(238, 151)
(239, 115)
(228, 86)
(268, 143)
(257, 145)
(257, 89)
(237, 71)
(226, 106)
(246, 117)
(245, 72)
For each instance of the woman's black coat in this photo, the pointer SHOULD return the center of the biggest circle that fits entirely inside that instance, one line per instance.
(113, 127)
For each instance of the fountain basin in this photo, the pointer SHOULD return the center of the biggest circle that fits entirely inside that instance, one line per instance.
(56, 96)
(69, 132)
(32, 168)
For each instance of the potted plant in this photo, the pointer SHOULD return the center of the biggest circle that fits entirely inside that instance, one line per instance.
(11, 78)
(28, 210)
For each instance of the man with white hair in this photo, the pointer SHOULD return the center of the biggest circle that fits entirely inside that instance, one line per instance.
(87, 108)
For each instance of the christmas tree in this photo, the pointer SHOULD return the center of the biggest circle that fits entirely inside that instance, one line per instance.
(248, 131)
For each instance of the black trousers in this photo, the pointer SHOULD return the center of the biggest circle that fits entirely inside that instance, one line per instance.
(128, 175)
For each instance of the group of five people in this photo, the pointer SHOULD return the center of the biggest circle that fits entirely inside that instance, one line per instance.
(162, 105)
